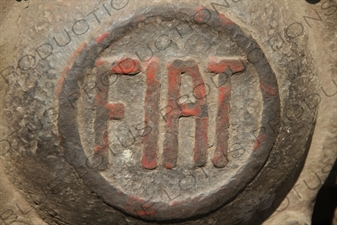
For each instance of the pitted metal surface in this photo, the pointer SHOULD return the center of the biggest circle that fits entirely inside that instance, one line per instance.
(165, 113)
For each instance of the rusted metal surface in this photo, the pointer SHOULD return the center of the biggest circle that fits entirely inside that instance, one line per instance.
(168, 113)
(132, 111)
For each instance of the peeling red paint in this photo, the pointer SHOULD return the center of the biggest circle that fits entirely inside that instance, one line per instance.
(217, 65)
(61, 80)
(97, 148)
(126, 66)
(266, 88)
(222, 125)
(258, 141)
(101, 37)
(198, 110)
(168, 165)
(65, 70)
(201, 141)
(199, 16)
(99, 62)
(76, 52)
(199, 8)
(147, 213)
(149, 161)
(116, 110)
(224, 19)
(97, 100)
(151, 109)
(185, 110)
(132, 205)
(105, 146)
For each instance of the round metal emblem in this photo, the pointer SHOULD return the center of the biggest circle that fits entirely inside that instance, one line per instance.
(164, 114)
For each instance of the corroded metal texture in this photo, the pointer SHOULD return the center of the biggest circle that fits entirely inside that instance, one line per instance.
(160, 113)
(143, 93)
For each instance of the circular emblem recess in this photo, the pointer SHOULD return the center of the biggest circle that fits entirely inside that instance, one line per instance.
(170, 110)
